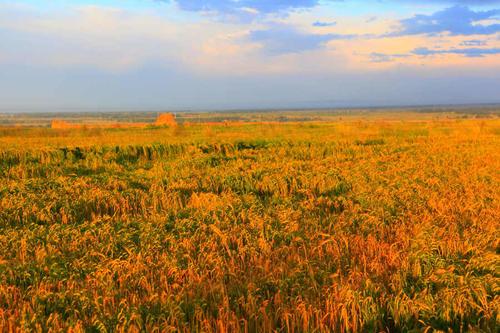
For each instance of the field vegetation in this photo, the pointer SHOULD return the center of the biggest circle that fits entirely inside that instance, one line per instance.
(361, 224)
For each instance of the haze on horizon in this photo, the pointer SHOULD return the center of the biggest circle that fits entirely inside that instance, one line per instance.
(188, 54)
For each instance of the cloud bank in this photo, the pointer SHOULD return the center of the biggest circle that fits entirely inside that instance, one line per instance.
(457, 20)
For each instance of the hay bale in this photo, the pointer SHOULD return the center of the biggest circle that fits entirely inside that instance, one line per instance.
(166, 119)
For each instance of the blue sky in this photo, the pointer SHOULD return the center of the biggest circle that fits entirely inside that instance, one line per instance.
(189, 54)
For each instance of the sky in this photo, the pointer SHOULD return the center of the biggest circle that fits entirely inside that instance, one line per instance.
(246, 54)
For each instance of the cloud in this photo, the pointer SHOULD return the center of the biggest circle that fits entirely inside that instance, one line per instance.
(466, 2)
(457, 20)
(245, 9)
(324, 24)
(473, 42)
(114, 39)
(240, 7)
(282, 39)
(468, 52)
(452, 2)
(382, 57)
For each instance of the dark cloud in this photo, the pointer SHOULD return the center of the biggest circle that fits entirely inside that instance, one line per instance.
(457, 20)
(282, 39)
(464, 2)
(468, 52)
(450, 2)
(473, 42)
(324, 24)
(245, 8)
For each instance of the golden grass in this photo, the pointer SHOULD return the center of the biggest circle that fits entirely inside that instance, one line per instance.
(350, 226)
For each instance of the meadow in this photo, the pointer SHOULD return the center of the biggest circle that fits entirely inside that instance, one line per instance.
(362, 224)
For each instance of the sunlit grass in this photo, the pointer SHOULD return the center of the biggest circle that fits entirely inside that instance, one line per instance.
(363, 225)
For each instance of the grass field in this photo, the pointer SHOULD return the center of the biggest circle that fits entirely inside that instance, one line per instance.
(359, 224)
